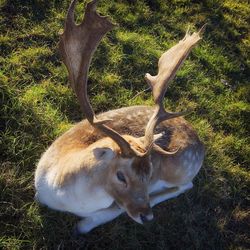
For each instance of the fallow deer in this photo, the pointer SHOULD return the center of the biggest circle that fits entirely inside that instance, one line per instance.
(124, 160)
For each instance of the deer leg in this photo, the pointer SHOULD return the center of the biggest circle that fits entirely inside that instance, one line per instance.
(97, 218)
(105, 215)
(168, 193)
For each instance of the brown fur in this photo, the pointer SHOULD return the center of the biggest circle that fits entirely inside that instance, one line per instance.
(82, 137)
(141, 166)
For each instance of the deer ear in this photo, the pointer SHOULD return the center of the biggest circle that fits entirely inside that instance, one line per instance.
(104, 153)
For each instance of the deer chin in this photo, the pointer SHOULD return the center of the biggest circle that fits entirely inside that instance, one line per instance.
(140, 215)
(141, 218)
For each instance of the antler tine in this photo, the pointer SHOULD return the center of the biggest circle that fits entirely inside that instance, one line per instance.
(168, 65)
(77, 46)
(70, 19)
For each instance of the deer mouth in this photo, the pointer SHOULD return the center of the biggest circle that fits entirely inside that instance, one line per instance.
(142, 215)
(142, 218)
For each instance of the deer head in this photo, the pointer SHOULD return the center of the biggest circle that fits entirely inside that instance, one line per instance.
(128, 181)
(128, 157)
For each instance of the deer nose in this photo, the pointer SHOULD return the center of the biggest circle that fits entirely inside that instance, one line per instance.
(146, 217)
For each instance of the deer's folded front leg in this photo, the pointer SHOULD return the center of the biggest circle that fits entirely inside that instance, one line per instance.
(98, 218)
(168, 193)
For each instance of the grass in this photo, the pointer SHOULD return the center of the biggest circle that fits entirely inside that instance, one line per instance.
(36, 106)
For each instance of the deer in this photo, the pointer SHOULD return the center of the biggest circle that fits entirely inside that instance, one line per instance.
(125, 160)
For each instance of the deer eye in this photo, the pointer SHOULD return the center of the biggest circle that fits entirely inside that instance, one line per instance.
(121, 177)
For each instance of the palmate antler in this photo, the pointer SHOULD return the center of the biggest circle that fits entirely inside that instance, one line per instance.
(168, 65)
(77, 45)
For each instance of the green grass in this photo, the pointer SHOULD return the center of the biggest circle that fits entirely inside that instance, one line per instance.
(36, 106)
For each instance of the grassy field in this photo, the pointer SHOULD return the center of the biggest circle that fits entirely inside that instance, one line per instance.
(36, 106)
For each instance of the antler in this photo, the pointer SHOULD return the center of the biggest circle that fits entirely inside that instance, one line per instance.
(168, 65)
(77, 45)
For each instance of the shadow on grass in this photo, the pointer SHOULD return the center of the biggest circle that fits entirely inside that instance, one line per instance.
(204, 218)
(179, 224)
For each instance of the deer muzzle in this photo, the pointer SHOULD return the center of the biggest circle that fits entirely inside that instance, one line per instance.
(141, 213)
